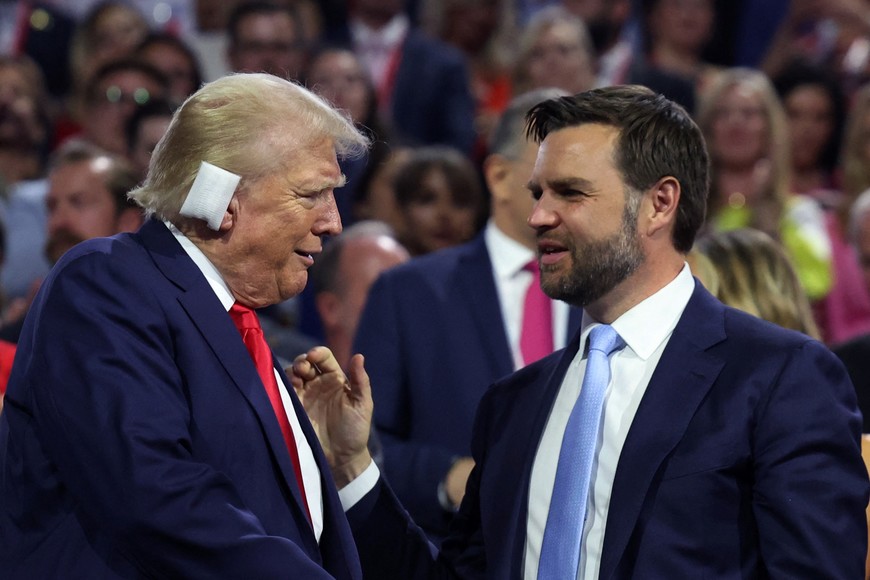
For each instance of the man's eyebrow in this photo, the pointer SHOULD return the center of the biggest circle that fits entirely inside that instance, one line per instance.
(571, 183)
(562, 184)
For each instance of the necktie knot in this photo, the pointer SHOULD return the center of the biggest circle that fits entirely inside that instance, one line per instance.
(605, 339)
(243, 317)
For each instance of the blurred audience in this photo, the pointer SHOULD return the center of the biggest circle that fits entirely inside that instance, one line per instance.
(816, 111)
(342, 275)
(87, 197)
(440, 199)
(144, 130)
(755, 275)
(266, 37)
(176, 60)
(844, 312)
(24, 144)
(676, 32)
(855, 353)
(112, 96)
(110, 30)
(555, 50)
(483, 31)
(422, 83)
(337, 74)
(831, 33)
(375, 195)
(747, 135)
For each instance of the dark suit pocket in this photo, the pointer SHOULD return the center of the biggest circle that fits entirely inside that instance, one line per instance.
(699, 460)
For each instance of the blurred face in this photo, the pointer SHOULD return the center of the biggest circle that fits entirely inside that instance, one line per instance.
(739, 129)
(278, 226)
(436, 218)
(513, 195)
(811, 124)
(362, 261)
(339, 78)
(686, 24)
(558, 59)
(470, 25)
(112, 104)
(175, 65)
(268, 43)
(587, 237)
(116, 33)
(79, 206)
(19, 120)
(381, 196)
(151, 130)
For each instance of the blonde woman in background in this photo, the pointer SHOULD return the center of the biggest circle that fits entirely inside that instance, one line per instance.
(555, 51)
(745, 127)
(754, 274)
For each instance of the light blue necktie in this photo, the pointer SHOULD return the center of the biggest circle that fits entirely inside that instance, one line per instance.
(560, 552)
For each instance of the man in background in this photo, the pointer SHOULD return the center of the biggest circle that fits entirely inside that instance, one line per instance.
(343, 275)
(87, 197)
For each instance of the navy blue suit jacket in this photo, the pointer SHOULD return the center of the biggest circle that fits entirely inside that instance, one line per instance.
(431, 101)
(137, 439)
(743, 461)
(434, 339)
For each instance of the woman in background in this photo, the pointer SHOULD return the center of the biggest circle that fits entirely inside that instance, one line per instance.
(440, 198)
(755, 275)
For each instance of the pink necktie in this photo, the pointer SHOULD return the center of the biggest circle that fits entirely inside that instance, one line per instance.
(249, 327)
(536, 336)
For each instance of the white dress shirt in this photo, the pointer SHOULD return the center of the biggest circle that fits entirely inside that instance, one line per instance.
(646, 329)
(377, 47)
(310, 472)
(512, 280)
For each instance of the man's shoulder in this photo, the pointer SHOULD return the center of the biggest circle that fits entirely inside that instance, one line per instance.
(437, 267)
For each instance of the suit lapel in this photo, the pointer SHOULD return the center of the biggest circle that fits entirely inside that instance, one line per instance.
(476, 287)
(538, 400)
(680, 382)
(218, 331)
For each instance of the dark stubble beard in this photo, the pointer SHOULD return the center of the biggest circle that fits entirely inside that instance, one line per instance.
(598, 267)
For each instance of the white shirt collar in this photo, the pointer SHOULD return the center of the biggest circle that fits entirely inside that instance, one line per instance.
(389, 35)
(507, 255)
(649, 323)
(214, 278)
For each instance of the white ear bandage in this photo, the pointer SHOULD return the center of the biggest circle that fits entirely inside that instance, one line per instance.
(210, 195)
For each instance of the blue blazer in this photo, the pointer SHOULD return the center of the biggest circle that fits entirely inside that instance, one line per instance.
(434, 339)
(137, 439)
(431, 101)
(743, 461)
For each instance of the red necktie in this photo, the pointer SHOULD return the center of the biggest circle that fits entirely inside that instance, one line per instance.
(536, 336)
(248, 324)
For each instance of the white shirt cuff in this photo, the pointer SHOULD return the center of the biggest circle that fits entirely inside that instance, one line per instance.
(354, 491)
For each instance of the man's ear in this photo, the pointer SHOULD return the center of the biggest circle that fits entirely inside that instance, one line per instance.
(230, 216)
(661, 211)
(496, 171)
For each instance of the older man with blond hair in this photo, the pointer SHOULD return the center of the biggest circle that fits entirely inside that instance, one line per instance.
(147, 430)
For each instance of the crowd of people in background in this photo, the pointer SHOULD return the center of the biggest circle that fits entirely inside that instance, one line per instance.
(780, 89)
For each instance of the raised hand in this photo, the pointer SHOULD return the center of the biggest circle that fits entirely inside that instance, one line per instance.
(339, 407)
